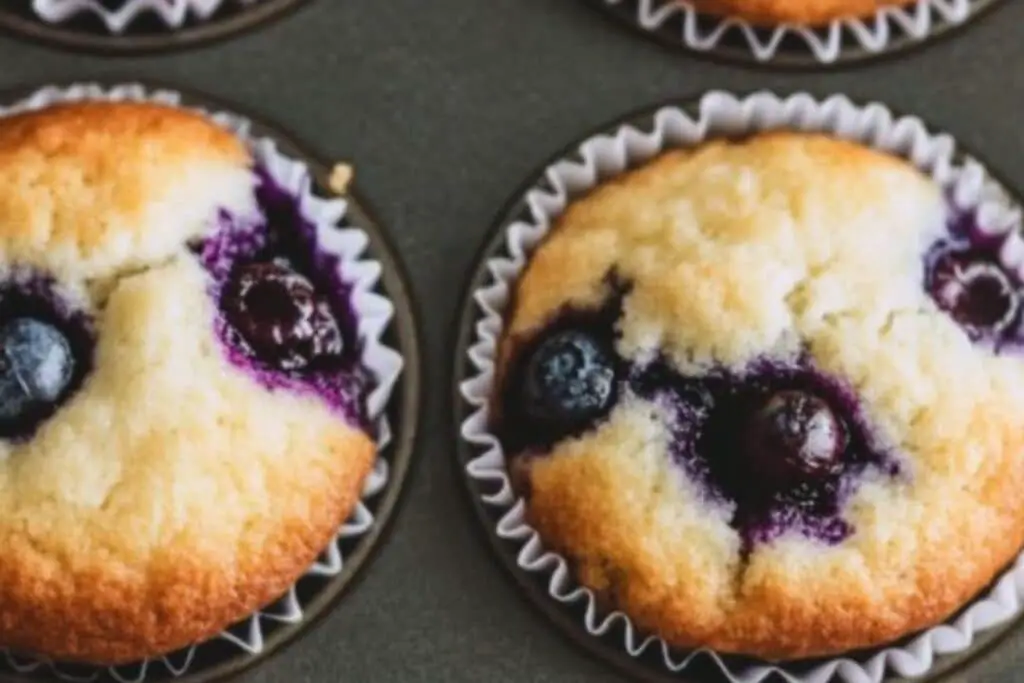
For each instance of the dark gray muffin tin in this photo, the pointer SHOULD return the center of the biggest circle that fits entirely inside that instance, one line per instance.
(444, 107)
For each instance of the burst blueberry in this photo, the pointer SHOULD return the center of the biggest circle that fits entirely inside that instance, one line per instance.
(36, 366)
(280, 317)
(976, 291)
(570, 378)
(792, 438)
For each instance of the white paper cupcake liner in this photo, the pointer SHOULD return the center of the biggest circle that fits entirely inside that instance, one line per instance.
(607, 155)
(826, 44)
(374, 313)
(173, 13)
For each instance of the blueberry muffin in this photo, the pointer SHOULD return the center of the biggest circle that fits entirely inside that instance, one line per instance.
(767, 397)
(182, 400)
(802, 12)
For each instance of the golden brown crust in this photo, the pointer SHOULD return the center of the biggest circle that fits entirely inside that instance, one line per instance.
(91, 188)
(173, 494)
(112, 134)
(773, 247)
(683, 579)
(799, 12)
(104, 612)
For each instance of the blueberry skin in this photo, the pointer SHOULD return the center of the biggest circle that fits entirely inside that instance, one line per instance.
(36, 366)
(973, 288)
(281, 317)
(570, 378)
(793, 438)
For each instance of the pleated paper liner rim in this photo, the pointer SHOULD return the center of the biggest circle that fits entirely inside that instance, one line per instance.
(568, 620)
(225, 24)
(793, 53)
(218, 660)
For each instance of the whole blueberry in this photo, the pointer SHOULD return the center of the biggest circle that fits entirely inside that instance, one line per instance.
(976, 291)
(569, 378)
(793, 437)
(36, 365)
(280, 317)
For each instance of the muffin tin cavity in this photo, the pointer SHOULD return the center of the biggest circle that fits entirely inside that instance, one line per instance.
(967, 278)
(284, 310)
(46, 351)
(782, 445)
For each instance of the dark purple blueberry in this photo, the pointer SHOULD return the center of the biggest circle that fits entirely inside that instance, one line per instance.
(280, 317)
(36, 366)
(569, 378)
(975, 291)
(794, 437)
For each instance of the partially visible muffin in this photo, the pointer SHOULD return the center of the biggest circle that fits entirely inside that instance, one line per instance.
(119, 16)
(182, 400)
(767, 397)
(800, 12)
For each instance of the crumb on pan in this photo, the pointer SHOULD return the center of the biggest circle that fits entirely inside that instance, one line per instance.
(341, 178)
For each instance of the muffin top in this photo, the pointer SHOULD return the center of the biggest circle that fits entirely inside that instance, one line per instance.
(799, 12)
(180, 397)
(767, 397)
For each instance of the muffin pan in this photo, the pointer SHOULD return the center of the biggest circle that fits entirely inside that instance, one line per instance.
(544, 577)
(442, 147)
(87, 31)
(889, 34)
(252, 640)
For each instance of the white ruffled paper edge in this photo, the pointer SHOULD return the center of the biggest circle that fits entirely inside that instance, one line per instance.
(173, 13)
(606, 155)
(374, 315)
(827, 44)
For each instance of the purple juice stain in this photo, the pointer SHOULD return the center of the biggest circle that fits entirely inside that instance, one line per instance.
(784, 445)
(283, 235)
(720, 440)
(965, 277)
